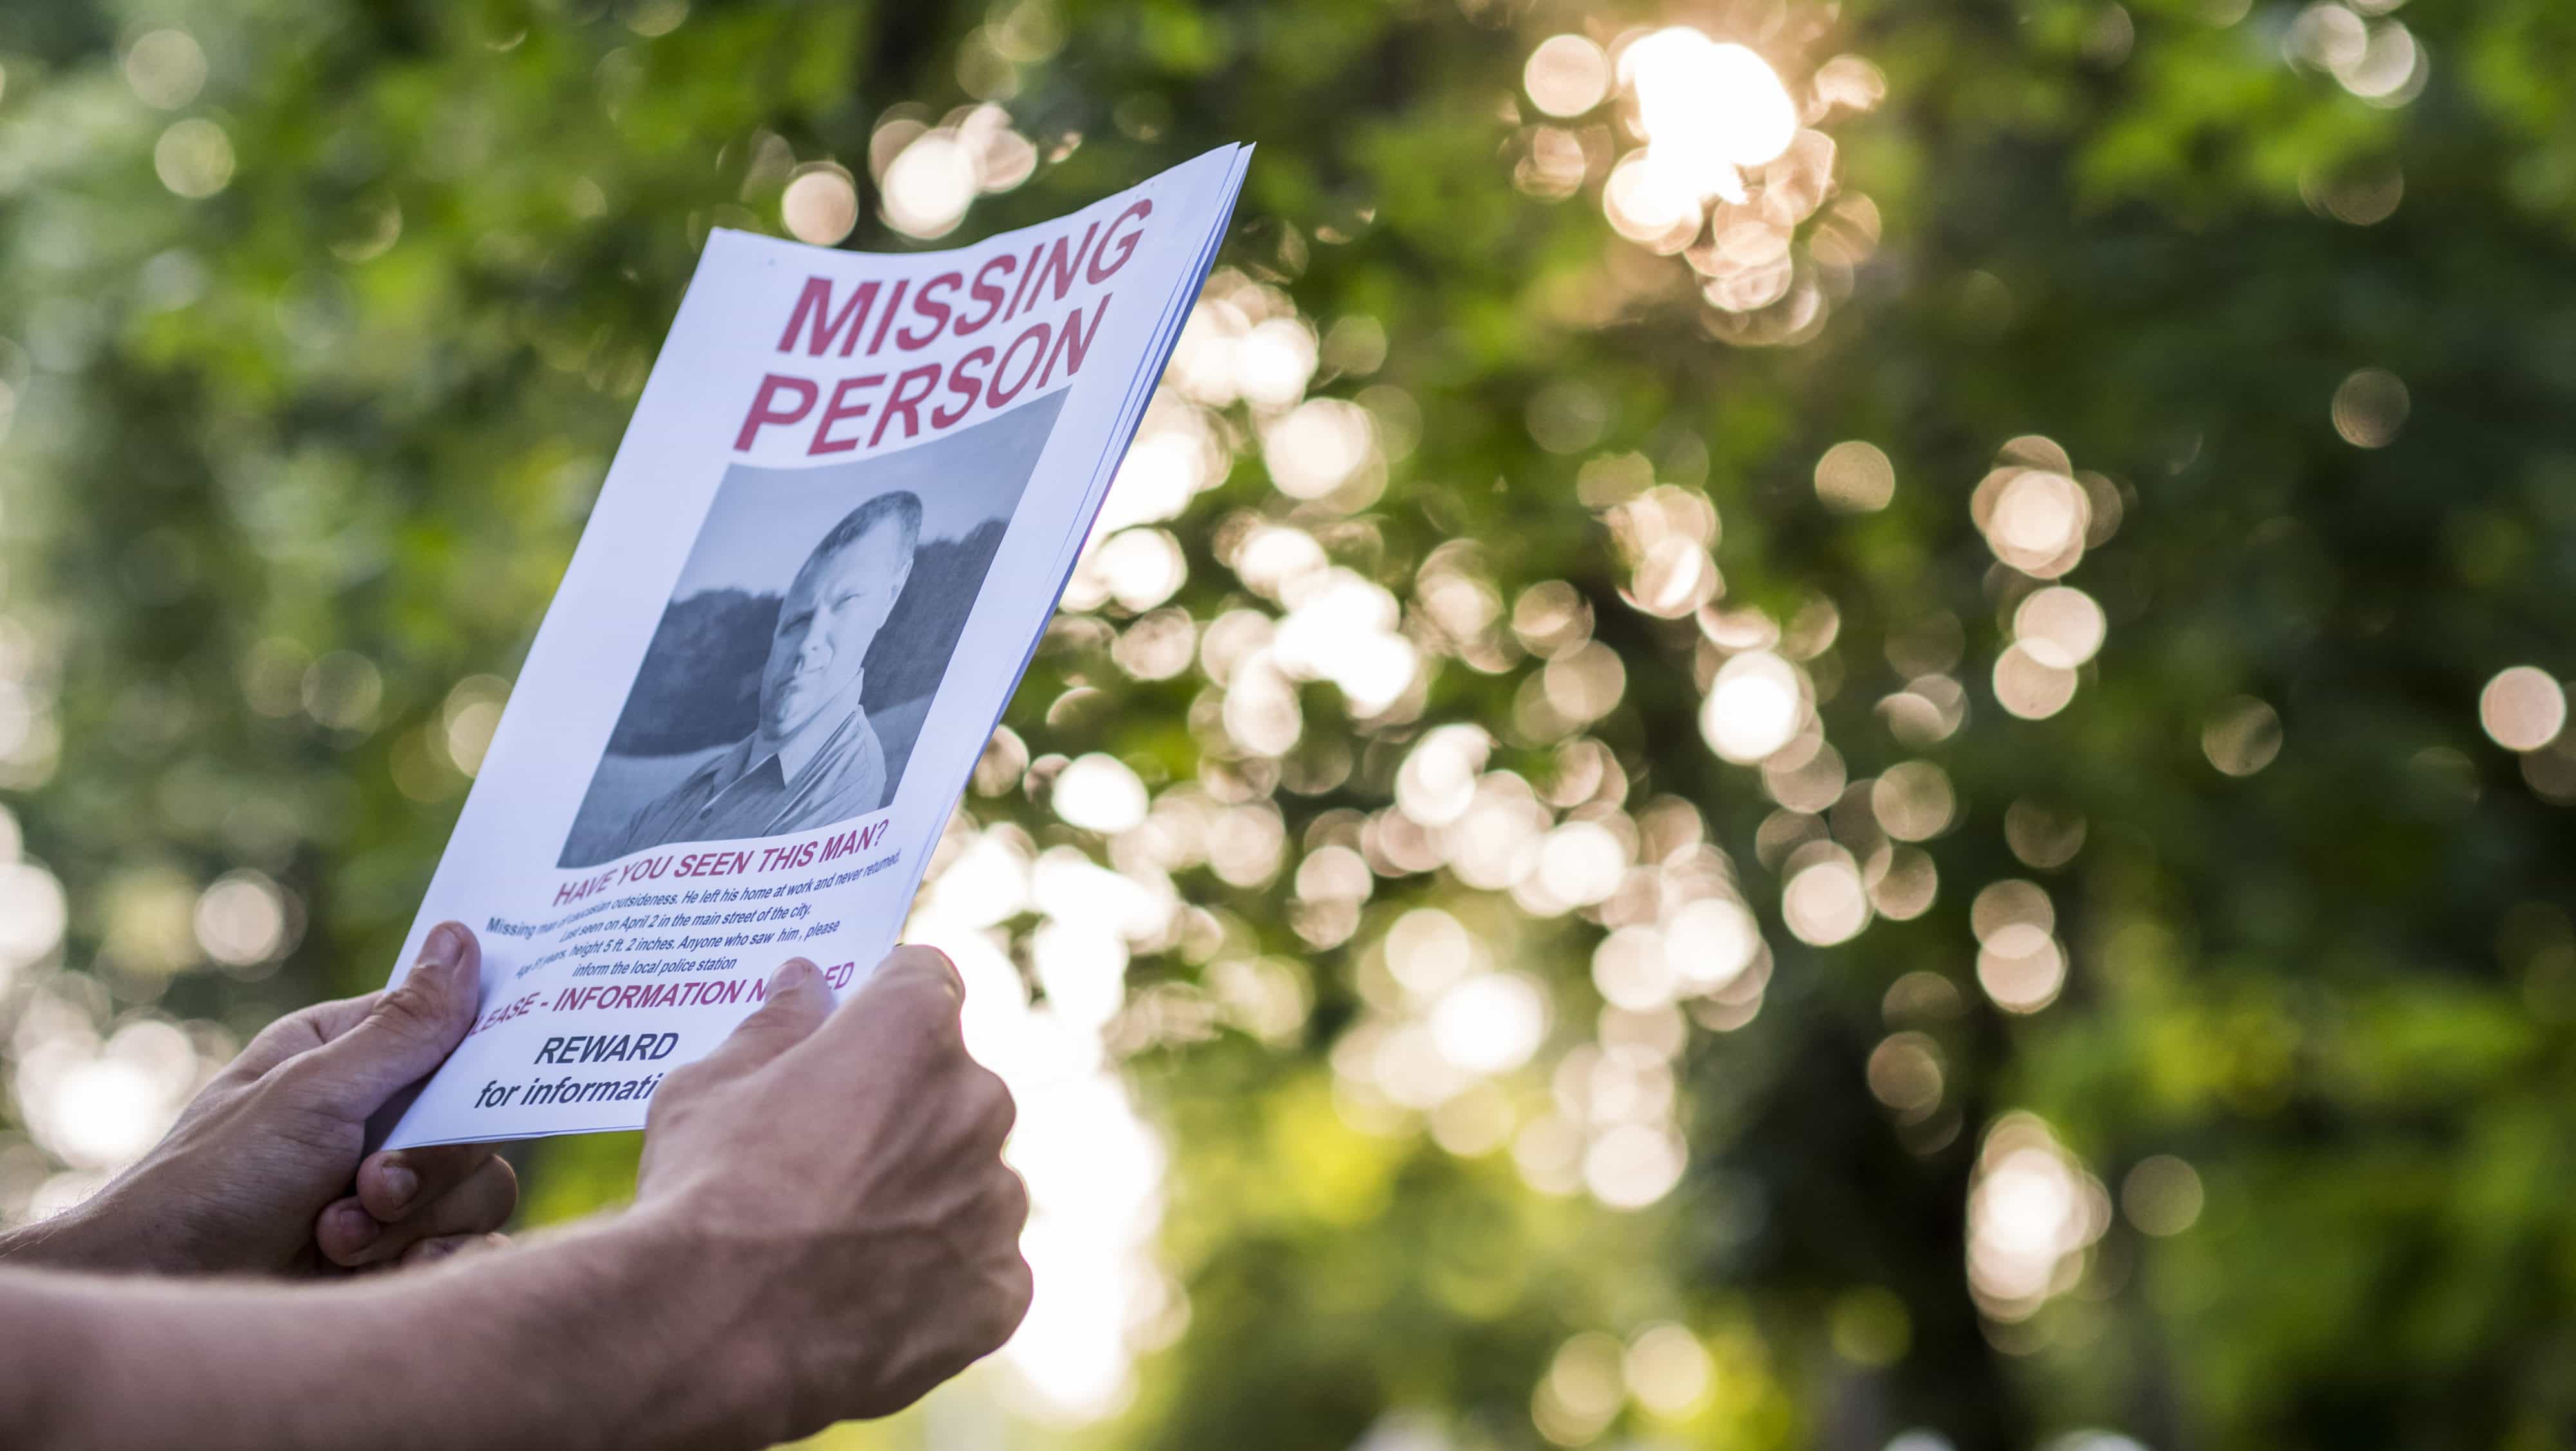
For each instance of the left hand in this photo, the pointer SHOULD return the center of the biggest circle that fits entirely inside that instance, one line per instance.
(258, 1174)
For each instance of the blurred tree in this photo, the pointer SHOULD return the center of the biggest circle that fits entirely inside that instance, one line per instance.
(1827, 754)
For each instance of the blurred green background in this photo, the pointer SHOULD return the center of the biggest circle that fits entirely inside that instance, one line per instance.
(1801, 725)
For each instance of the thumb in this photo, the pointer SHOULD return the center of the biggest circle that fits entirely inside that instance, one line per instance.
(915, 995)
(799, 1000)
(914, 969)
(408, 1029)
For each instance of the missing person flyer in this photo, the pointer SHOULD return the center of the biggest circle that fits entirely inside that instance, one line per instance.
(849, 498)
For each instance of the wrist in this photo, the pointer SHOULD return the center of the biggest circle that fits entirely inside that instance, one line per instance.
(72, 1239)
(101, 1235)
(712, 1302)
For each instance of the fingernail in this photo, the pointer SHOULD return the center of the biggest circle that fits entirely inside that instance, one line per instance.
(362, 1228)
(791, 973)
(445, 945)
(399, 1182)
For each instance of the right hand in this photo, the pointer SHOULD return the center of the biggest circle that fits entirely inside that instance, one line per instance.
(849, 1163)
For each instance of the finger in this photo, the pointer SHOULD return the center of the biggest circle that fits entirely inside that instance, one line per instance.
(1000, 1217)
(1001, 1110)
(913, 989)
(430, 1251)
(405, 1032)
(298, 1032)
(304, 1030)
(394, 1183)
(1008, 1201)
(344, 1231)
(798, 1002)
(479, 1205)
(915, 959)
(1016, 1287)
(1011, 1193)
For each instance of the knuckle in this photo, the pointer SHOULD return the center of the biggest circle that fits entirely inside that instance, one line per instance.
(407, 1010)
(913, 991)
(679, 1096)
(1019, 1288)
(923, 978)
(281, 1042)
(1001, 1110)
(278, 1038)
(938, 1024)
(1015, 1202)
(682, 1083)
(300, 1086)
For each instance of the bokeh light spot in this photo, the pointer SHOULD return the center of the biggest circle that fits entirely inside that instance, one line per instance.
(1855, 478)
(166, 68)
(1099, 793)
(194, 158)
(2523, 708)
(2059, 626)
(1754, 706)
(1566, 76)
(820, 204)
(2162, 1195)
(2369, 408)
(2242, 736)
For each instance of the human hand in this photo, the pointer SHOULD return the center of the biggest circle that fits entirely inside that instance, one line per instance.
(257, 1174)
(845, 1167)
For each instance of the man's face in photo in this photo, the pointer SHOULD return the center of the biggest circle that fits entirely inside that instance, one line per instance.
(830, 617)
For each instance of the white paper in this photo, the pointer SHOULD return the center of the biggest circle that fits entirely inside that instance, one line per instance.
(693, 782)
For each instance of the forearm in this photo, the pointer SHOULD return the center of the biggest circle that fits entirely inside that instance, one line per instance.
(53, 1243)
(74, 1239)
(619, 1336)
(88, 1239)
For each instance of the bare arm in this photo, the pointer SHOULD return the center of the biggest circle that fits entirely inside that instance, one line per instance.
(623, 1336)
(823, 1229)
